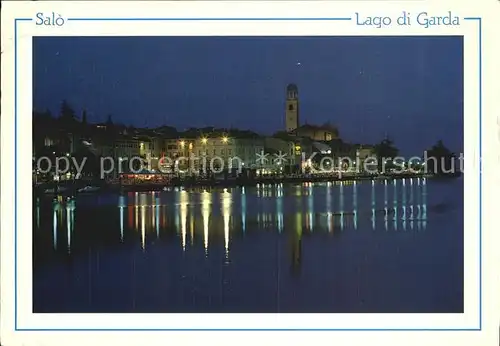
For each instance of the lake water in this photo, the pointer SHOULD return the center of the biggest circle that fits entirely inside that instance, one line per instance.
(394, 246)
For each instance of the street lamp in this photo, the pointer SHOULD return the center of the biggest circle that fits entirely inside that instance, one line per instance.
(182, 143)
(204, 140)
(225, 139)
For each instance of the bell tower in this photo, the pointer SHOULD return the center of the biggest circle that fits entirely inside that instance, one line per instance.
(292, 108)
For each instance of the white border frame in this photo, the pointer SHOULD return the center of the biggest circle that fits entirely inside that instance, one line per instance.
(27, 320)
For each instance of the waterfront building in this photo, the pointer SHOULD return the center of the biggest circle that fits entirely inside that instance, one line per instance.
(364, 152)
(156, 151)
(171, 147)
(248, 150)
(324, 132)
(181, 152)
(120, 147)
(128, 153)
(283, 151)
(196, 150)
(366, 156)
(356, 154)
(148, 150)
(223, 151)
(144, 146)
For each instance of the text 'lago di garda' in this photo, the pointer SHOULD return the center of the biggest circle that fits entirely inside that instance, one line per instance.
(422, 19)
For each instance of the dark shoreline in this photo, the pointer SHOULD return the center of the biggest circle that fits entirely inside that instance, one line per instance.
(254, 182)
(229, 183)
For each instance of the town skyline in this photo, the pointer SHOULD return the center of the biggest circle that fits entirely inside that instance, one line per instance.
(369, 102)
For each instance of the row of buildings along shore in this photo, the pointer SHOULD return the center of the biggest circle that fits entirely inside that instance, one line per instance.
(221, 148)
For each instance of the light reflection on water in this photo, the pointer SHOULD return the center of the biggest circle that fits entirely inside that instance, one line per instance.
(206, 199)
(332, 247)
(226, 212)
(148, 214)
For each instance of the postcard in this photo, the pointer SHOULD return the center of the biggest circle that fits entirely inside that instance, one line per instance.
(260, 167)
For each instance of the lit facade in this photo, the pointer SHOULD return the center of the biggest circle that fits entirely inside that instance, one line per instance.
(317, 133)
(228, 152)
(279, 147)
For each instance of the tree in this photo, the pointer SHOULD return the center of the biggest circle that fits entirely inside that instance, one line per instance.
(44, 116)
(84, 117)
(67, 111)
(109, 121)
(440, 160)
(385, 151)
(43, 123)
(67, 117)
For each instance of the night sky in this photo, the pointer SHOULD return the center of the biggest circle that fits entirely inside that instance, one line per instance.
(410, 88)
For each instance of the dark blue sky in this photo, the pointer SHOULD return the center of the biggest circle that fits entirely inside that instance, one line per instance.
(408, 87)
